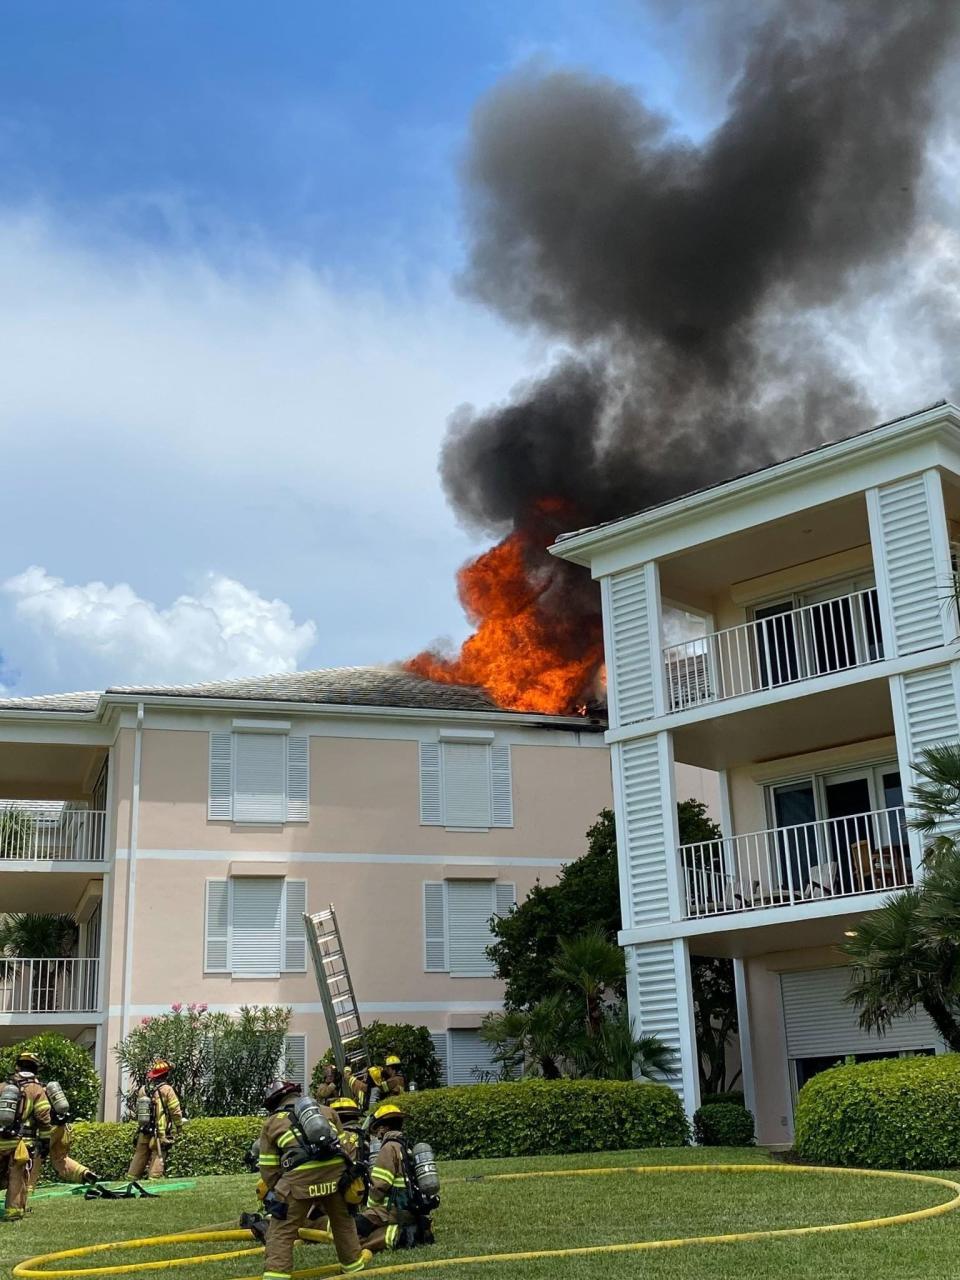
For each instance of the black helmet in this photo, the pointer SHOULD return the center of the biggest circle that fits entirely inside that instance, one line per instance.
(277, 1090)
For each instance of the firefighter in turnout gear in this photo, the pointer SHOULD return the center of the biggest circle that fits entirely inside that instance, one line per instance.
(366, 1086)
(348, 1117)
(330, 1087)
(25, 1120)
(57, 1149)
(159, 1121)
(394, 1081)
(303, 1166)
(397, 1213)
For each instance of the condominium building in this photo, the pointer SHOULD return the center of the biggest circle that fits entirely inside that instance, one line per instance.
(824, 662)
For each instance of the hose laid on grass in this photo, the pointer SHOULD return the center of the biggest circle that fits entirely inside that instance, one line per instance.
(30, 1269)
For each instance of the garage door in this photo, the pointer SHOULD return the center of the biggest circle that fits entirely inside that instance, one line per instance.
(819, 1022)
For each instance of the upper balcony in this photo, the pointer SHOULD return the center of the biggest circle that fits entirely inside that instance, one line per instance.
(782, 644)
(37, 988)
(43, 831)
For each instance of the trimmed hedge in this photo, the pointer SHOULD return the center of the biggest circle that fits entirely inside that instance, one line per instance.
(531, 1117)
(716, 1099)
(545, 1117)
(897, 1113)
(62, 1060)
(723, 1124)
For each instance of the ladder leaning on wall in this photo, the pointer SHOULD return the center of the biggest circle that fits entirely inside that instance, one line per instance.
(336, 990)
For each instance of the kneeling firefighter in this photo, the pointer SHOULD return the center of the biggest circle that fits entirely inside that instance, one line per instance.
(57, 1148)
(24, 1122)
(404, 1188)
(304, 1167)
(159, 1121)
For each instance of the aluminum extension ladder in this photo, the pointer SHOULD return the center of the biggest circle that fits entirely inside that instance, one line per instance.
(336, 990)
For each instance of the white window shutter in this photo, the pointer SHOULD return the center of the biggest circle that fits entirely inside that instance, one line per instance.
(466, 784)
(298, 778)
(220, 797)
(295, 1060)
(469, 908)
(439, 1039)
(216, 955)
(501, 786)
(431, 802)
(295, 938)
(256, 944)
(434, 927)
(259, 777)
(471, 1058)
(505, 895)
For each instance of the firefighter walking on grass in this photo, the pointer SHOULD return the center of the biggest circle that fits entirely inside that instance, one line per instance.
(57, 1148)
(25, 1120)
(159, 1121)
(304, 1167)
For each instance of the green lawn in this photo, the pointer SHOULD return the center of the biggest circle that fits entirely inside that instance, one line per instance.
(482, 1216)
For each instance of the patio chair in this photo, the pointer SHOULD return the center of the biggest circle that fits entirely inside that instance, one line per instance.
(821, 882)
(861, 859)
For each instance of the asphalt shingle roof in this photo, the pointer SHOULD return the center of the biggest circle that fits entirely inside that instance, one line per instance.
(67, 702)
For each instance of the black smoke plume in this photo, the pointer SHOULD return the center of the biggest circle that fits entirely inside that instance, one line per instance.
(684, 280)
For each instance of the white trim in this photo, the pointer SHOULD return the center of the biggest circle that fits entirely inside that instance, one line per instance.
(58, 1019)
(745, 1035)
(395, 859)
(623, 854)
(606, 607)
(689, 1070)
(671, 829)
(127, 978)
(466, 735)
(260, 726)
(707, 711)
(384, 1006)
(908, 778)
(654, 626)
(940, 536)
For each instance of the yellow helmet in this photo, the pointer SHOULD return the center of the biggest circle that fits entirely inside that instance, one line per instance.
(344, 1107)
(389, 1113)
(376, 1075)
(392, 1060)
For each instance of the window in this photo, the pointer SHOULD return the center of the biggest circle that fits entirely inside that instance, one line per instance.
(254, 926)
(259, 777)
(293, 1063)
(826, 629)
(439, 1039)
(456, 924)
(471, 1059)
(465, 785)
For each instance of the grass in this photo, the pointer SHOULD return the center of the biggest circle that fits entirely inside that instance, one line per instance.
(484, 1216)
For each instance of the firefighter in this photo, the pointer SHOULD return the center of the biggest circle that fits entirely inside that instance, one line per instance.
(159, 1121)
(24, 1121)
(394, 1081)
(396, 1215)
(303, 1167)
(57, 1148)
(348, 1117)
(331, 1086)
(366, 1086)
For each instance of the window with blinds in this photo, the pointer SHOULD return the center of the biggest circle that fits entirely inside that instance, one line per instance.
(466, 785)
(254, 926)
(456, 924)
(259, 777)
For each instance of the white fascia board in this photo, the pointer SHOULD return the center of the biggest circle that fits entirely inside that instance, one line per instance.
(784, 693)
(762, 917)
(838, 470)
(56, 866)
(52, 727)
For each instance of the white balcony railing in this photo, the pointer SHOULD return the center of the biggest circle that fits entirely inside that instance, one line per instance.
(39, 830)
(782, 648)
(832, 858)
(49, 986)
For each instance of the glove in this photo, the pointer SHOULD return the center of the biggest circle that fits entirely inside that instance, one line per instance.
(261, 1190)
(275, 1206)
(43, 1146)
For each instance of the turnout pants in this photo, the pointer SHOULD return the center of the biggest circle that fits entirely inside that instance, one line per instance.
(147, 1158)
(16, 1178)
(385, 1226)
(69, 1170)
(282, 1233)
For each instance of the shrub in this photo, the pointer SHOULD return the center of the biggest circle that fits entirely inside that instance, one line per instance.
(214, 1145)
(411, 1044)
(221, 1065)
(723, 1124)
(731, 1095)
(62, 1060)
(898, 1113)
(545, 1117)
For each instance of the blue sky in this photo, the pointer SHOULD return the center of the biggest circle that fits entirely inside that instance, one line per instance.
(229, 235)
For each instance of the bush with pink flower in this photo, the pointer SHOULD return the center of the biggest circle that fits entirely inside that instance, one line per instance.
(220, 1063)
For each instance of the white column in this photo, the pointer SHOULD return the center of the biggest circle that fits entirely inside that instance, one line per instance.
(660, 1000)
(745, 1036)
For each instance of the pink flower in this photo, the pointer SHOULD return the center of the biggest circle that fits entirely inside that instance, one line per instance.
(192, 1008)
(145, 1022)
(176, 1007)
(201, 1008)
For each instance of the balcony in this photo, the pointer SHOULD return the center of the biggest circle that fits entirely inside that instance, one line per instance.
(782, 647)
(49, 986)
(42, 831)
(789, 866)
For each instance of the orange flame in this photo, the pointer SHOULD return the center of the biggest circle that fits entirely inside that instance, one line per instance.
(528, 650)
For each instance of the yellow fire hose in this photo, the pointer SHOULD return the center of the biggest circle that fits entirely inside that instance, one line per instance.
(30, 1269)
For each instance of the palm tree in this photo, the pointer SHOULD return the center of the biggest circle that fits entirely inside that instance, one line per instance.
(39, 935)
(16, 830)
(616, 1053)
(589, 966)
(936, 797)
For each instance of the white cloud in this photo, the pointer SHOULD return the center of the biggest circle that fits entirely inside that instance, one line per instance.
(224, 630)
